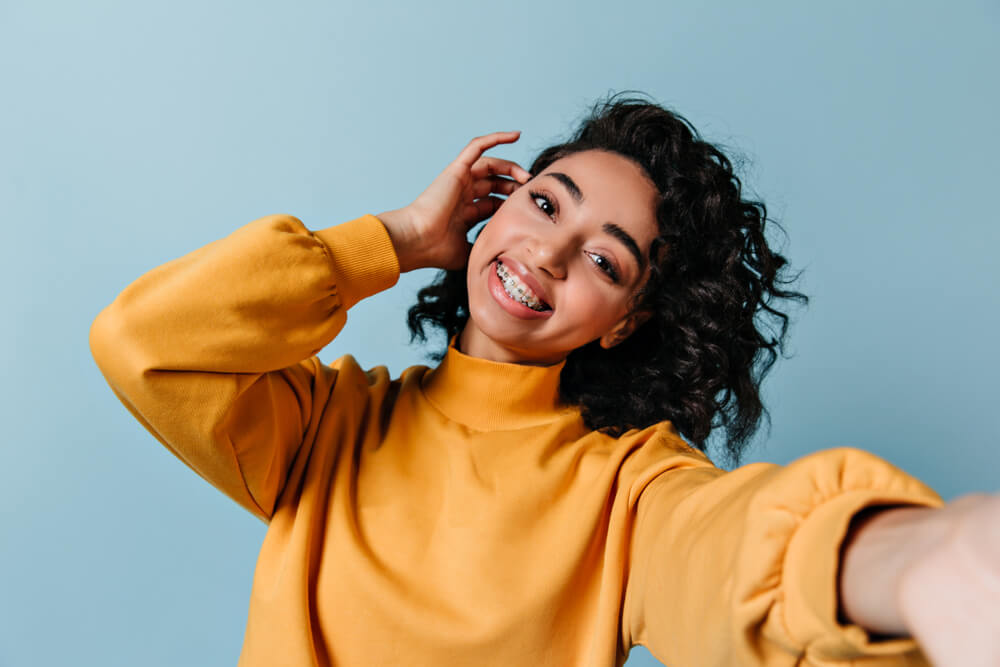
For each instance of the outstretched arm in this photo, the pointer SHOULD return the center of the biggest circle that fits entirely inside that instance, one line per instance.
(741, 567)
(933, 574)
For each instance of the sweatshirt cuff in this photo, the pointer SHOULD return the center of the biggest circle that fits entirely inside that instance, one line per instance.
(811, 573)
(363, 259)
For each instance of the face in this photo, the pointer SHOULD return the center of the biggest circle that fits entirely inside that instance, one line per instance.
(572, 247)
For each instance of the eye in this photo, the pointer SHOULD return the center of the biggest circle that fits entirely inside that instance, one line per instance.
(602, 262)
(547, 208)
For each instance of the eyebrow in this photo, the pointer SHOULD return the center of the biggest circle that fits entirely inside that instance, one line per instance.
(608, 227)
(626, 239)
(570, 184)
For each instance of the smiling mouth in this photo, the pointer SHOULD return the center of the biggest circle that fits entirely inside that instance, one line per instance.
(518, 291)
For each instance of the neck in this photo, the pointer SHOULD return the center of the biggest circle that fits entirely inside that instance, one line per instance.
(489, 395)
(473, 343)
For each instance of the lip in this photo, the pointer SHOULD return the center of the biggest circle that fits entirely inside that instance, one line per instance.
(515, 308)
(525, 277)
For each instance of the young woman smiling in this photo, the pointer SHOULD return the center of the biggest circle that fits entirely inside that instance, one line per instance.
(541, 495)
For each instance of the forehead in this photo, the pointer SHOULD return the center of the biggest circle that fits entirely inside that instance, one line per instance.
(615, 189)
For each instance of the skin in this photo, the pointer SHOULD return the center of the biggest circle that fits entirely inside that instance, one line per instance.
(587, 274)
(558, 246)
(930, 574)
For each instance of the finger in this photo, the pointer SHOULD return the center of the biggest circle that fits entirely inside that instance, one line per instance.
(494, 184)
(474, 150)
(481, 209)
(485, 166)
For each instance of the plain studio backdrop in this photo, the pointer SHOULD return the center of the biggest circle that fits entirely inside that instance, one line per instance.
(133, 133)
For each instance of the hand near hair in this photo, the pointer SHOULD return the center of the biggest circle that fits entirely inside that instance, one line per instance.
(431, 231)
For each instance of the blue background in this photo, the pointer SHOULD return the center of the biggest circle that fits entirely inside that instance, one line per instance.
(132, 133)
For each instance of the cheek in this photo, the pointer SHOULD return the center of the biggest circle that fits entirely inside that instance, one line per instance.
(497, 231)
(481, 243)
(595, 305)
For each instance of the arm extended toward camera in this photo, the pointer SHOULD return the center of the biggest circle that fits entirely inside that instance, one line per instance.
(933, 574)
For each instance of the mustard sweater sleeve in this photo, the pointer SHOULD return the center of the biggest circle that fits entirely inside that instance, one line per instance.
(741, 567)
(213, 352)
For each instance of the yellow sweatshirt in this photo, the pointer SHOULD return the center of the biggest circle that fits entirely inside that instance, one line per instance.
(459, 515)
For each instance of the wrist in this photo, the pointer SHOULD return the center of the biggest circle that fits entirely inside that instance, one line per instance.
(405, 241)
(882, 546)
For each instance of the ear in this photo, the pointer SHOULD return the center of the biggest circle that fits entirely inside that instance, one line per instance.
(624, 329)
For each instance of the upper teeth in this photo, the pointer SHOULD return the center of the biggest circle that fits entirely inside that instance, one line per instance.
(517, 290)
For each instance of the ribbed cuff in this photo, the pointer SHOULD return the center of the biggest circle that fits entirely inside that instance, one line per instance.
(364, 261)
(811, 572)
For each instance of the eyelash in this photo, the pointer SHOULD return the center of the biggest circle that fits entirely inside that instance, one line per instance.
(608, 267)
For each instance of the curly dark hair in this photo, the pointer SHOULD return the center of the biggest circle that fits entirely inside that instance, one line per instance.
(714, 330)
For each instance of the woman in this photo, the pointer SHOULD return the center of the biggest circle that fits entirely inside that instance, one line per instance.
(530, 500)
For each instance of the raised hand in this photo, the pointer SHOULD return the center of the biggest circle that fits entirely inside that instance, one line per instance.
(431, 231)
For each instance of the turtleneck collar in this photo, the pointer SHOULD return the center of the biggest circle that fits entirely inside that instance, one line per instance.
(491, 395)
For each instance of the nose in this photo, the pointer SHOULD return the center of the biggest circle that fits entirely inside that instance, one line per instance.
(551, 253)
